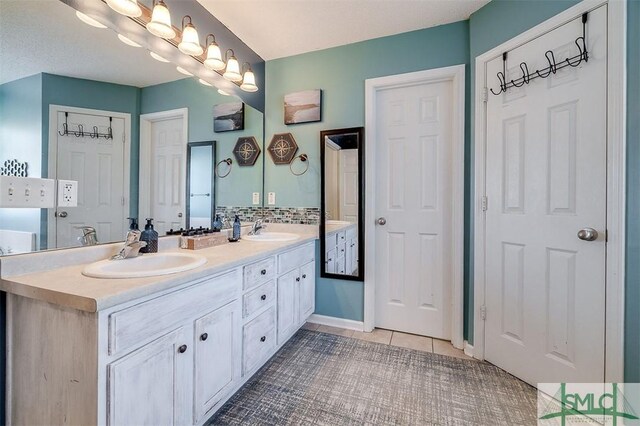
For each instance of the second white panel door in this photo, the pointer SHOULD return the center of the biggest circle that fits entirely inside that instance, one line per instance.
(414, 205)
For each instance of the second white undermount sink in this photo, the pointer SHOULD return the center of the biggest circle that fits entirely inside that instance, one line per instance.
(146, 265)
(272, 237)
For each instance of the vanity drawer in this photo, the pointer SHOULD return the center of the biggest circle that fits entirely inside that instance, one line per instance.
(140, 323)
(331, 241)
(258, 339)
(256, 299)
(352, 233)
(259, 272)
(295, 258)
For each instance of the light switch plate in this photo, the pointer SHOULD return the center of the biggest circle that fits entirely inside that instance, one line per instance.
(272, 198)
(67, 193)
(25, 192)
(256, 198)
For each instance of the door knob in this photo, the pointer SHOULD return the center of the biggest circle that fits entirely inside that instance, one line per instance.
(382, 221)
(61, 214)
(179, 214)
(588, 234)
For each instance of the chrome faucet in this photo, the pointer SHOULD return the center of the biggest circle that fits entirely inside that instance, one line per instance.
(132, 246)
(257, 227)
(89, 236)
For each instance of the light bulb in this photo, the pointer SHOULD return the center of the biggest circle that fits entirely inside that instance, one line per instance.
(89, 20)
(125, 7)
(190, 43)
(160, 24)
(214, 58)
(183, 71)
(232, 73)
(157, 57)
(128, 41)
(249, 82)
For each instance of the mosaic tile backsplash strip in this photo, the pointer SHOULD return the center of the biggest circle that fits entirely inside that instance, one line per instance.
(292, 215)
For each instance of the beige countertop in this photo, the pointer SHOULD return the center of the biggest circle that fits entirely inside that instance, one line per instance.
(66, 286)
(332, 229)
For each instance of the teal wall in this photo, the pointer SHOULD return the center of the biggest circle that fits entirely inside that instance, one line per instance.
(341, 72)
(20, 139)
(632, 293)
(237, 188)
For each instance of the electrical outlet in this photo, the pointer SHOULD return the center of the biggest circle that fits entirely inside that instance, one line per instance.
(24, 192)
(256, 198)
(272, 198)
(67, 193)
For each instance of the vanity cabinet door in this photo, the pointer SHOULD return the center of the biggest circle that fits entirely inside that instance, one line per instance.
(153, 385)
(331, 261)
(287, 304)
(218, 356)
(307, 291)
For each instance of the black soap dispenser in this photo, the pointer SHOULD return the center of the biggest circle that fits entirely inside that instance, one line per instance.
(150, 236)
(133, 224)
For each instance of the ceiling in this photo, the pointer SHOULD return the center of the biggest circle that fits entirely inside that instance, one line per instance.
(45, 36)
(279, 28)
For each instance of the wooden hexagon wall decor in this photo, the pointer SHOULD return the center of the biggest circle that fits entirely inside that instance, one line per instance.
(283, 148)
(246, 151)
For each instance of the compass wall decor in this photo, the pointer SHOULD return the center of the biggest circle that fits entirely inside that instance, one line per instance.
(246, 151)
(282, 148)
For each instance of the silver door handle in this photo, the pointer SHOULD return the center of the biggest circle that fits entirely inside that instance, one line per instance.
(588, 234)
(382, 221)
(179, 214)
(61, 214)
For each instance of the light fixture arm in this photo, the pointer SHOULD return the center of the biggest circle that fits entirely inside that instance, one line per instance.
(246, 66)
(185, 17)
(226, 57)
(206, 40)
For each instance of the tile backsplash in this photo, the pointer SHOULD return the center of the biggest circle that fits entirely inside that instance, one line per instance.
(293, 215)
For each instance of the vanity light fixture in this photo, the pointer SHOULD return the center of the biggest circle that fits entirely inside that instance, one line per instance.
(223, 93)
(126, 7)
(128, 41)
(157, 57)
(249, 79)
(183, 71)
(214, 55)
(190, 43)
(205, 83)
(89, 20)
(160, 24)
(232, 72)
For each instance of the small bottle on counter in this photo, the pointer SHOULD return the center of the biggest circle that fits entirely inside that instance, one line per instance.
(236, 230)
(150, 236)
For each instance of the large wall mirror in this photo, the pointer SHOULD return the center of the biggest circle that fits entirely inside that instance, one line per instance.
(80, 103)
(342, 203)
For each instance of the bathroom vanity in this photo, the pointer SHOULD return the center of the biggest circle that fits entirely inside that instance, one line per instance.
(155, 350)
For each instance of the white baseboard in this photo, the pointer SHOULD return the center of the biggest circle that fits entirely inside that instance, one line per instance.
(468, 349)
(336, 322)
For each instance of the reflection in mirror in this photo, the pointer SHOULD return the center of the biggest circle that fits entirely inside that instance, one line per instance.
(109, 99)
(342, 204)
(201, 160)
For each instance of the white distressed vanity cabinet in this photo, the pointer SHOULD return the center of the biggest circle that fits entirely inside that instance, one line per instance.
(172, 358)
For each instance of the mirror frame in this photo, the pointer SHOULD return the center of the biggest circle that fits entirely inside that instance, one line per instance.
(361, 189)
(190, 145)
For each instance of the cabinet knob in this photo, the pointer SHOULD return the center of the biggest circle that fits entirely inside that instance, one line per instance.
(204, 336)
(263, 297)
(304, 276)
(263, 338)
(263, 272)
(298, 279)
(342, 250)
(182, 349)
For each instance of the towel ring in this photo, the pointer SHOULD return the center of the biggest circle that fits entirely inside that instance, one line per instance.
(228, 162)
(304, 158)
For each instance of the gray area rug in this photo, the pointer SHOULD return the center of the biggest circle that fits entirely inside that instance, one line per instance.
(323, 379)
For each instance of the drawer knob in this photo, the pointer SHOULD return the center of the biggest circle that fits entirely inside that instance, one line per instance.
(204, 336)
(182, 349)
(263, 297)
(263, 338)
(298, 279)
(342, 250)
(263, 272)
(304, 276)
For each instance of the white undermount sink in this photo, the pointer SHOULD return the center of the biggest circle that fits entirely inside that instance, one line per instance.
(146, 265)
(272, 237)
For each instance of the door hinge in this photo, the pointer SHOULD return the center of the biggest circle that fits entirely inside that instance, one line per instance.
(122, 200)
(483, 312)
(484, 203)
(485, 95)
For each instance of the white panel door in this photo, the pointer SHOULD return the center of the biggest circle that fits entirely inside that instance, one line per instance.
(168, 174)
(413, 194)
(546, 180)
(348, 185)
(98, 166)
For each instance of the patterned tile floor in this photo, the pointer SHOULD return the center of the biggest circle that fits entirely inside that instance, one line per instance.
(394, 338)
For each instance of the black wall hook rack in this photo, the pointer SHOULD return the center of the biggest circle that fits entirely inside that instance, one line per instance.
(80, 132)
(527, 77)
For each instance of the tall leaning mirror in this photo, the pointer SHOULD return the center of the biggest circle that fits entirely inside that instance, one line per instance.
(342, 203)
